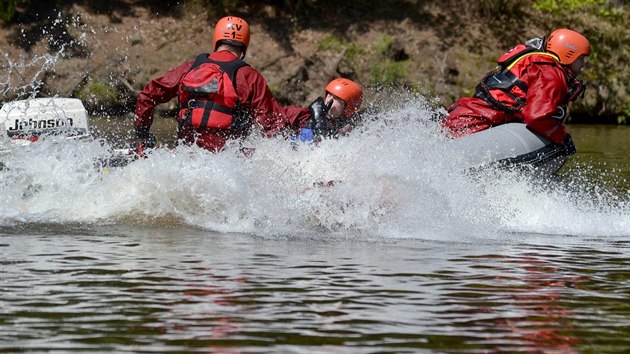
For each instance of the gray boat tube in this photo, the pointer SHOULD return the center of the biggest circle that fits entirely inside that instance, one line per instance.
(510, 144)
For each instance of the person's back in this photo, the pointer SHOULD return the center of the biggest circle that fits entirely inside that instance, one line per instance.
(220, 96)
(532, 85)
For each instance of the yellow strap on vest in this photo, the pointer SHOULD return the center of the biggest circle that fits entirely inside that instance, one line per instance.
(533, 53)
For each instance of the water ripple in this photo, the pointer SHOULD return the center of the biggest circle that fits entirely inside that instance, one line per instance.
(189, 291)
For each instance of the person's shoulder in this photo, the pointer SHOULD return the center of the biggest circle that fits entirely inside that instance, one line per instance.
(549, 74)
(249, 71)
(549, 67)
(184, 66)
(176, 72)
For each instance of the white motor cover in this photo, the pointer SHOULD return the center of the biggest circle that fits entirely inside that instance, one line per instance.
(44, 116)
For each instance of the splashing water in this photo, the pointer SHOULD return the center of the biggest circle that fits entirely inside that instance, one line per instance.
(22, 77)
(387, 181)
(12, 68)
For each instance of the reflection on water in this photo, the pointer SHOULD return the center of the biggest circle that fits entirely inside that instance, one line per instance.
(123, 289)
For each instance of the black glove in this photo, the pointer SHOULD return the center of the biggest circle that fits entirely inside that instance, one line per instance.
(144, 140)
(567, 146)
(318, 111)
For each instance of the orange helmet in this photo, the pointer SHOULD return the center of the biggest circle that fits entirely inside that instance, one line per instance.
(232, 30)
(568, 45)
(349, 91)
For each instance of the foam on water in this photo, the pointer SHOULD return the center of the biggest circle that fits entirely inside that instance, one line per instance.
(389, 182)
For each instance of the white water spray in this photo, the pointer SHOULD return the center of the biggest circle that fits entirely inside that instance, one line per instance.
(387, 181)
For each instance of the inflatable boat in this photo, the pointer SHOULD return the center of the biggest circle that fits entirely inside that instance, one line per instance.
(509, 145)
(26, 121)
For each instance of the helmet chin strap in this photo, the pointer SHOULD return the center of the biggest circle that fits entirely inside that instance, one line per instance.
(576, 89)
(328, 106)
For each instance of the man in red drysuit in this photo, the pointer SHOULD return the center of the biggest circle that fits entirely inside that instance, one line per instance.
(533, 84)
(220, 96)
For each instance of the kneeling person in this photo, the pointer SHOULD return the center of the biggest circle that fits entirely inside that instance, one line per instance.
(533, 84)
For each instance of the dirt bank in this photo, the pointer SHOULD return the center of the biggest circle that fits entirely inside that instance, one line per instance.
(106, 54)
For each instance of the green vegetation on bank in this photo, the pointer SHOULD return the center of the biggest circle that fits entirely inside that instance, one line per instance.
(97, 94)
(339, 44)
(384, 69)
(564, 5)
(7, 9)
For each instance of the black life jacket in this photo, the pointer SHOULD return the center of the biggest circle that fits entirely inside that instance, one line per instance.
(506, 78)
(501, 78)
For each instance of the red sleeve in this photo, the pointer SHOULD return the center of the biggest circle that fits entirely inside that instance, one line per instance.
(266, 112)
(298, 116)
(159, 90)
(547, 90)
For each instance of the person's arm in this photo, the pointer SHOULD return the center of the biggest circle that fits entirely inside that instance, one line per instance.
(297, 116)
(266, 112)
(547, 91)
(159, 90)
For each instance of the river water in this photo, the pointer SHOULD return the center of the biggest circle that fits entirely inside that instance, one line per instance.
(192, 252)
